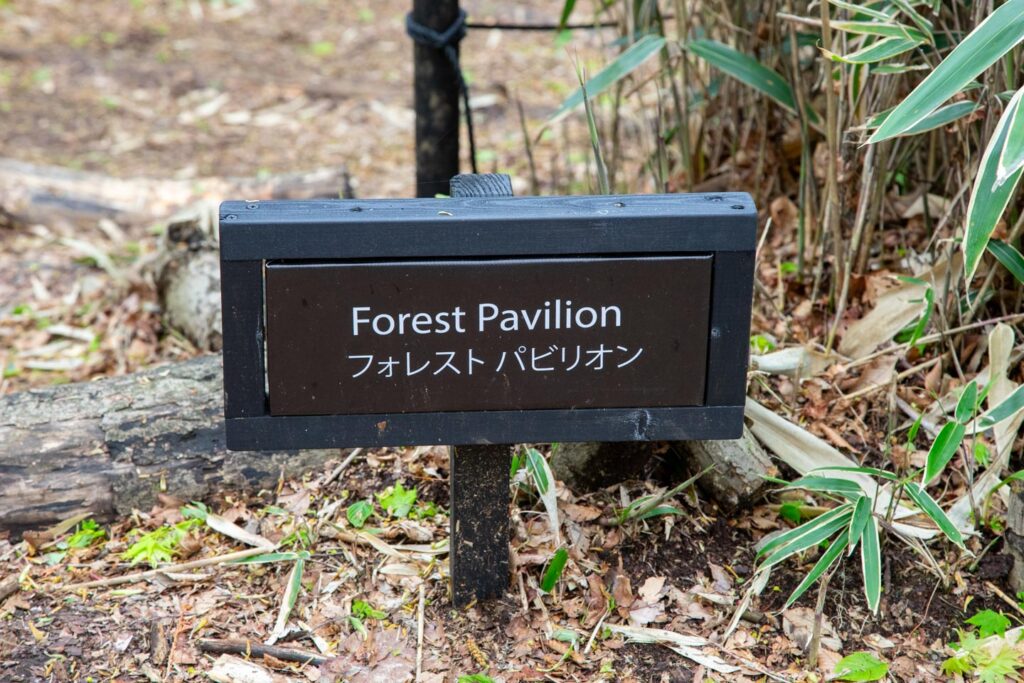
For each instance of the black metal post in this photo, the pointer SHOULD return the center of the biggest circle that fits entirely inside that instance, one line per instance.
(436, 97)
(478, 545)
(478, 477)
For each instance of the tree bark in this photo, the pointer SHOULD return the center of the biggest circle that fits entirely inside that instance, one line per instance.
(112, 445)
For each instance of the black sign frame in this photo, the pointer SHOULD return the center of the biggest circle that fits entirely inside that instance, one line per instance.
(253, 233)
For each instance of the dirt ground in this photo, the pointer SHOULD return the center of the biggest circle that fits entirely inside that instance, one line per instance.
(191, 89)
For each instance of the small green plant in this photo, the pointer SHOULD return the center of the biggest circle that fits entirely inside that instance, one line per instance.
(990, 623)
(397, 500)
(359, 512)
(364, 610)
(475, 678)
(860, 666)
(87, 534)
(554, 571)
(985, 653)
(161, 544)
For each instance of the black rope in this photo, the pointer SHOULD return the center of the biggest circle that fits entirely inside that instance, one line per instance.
(448, 42)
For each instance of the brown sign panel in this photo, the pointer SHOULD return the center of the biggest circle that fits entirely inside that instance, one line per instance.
(472, 335)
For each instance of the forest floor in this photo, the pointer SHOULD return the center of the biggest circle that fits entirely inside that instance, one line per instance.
(195, 90)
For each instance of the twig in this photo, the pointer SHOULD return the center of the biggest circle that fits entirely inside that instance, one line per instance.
(181, 567)
(819, 616)
(250, 648)
(928, 338)
(903, 375)
(1005, 598)
(419, 636)
(343, 466)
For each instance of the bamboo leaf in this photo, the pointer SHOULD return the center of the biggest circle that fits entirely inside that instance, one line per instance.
(943, 449)
(811, 538)
(940, 118)
(1007, 408)
(1011, 259)
(876, 28)
(861, 517)
(870, 471)
(885, 48)
(844, 487)
(748, 71)
(267, 558)
(554, 570)
(988, 197)
(858, 9)
(993, 38)
(291, 595)
(567, 9)
(871, 564)
(623, 65)
(1011, 159)
(793, 534)
(931, 508)
(827, 559)
(538, 468)
(967, 403)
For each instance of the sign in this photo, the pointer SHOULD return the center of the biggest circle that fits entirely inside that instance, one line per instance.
(363, 323)
(486, 335)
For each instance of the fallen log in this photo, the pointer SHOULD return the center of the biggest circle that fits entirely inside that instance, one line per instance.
(111, 445)
(33, 193)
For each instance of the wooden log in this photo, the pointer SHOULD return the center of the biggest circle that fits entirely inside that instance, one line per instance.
(112, 445)
(32, 193)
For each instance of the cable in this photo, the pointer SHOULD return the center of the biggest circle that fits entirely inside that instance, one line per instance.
(448, 42)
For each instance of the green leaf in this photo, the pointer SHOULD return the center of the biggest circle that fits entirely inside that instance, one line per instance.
(475, 678)
(397, 500)
(291, 595)
(1007, 408)
(791, 511)
(358, 512)
(554, 570)
(871, 564)
(990, 623)
(1011, 259)
(988, 197)
(364, 610)
(827, 559)
(567, 9)
(267, 558)
(858, 9)
(660, 511)
(539, 471)
(931, 508)
(885, 48)
(875, 28)
(1001, 667)
(967, 404)
(1011, 159)
(943, 449)
(827, 519)
(990, 40)
(870, 471)
(860, 666)
(834, 485)
(623, 65)
(861, 517)
(813, 536)
(748, 71)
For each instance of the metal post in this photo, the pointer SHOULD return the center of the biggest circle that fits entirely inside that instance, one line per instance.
(478, 544)
(478, 477)
(436, 97)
